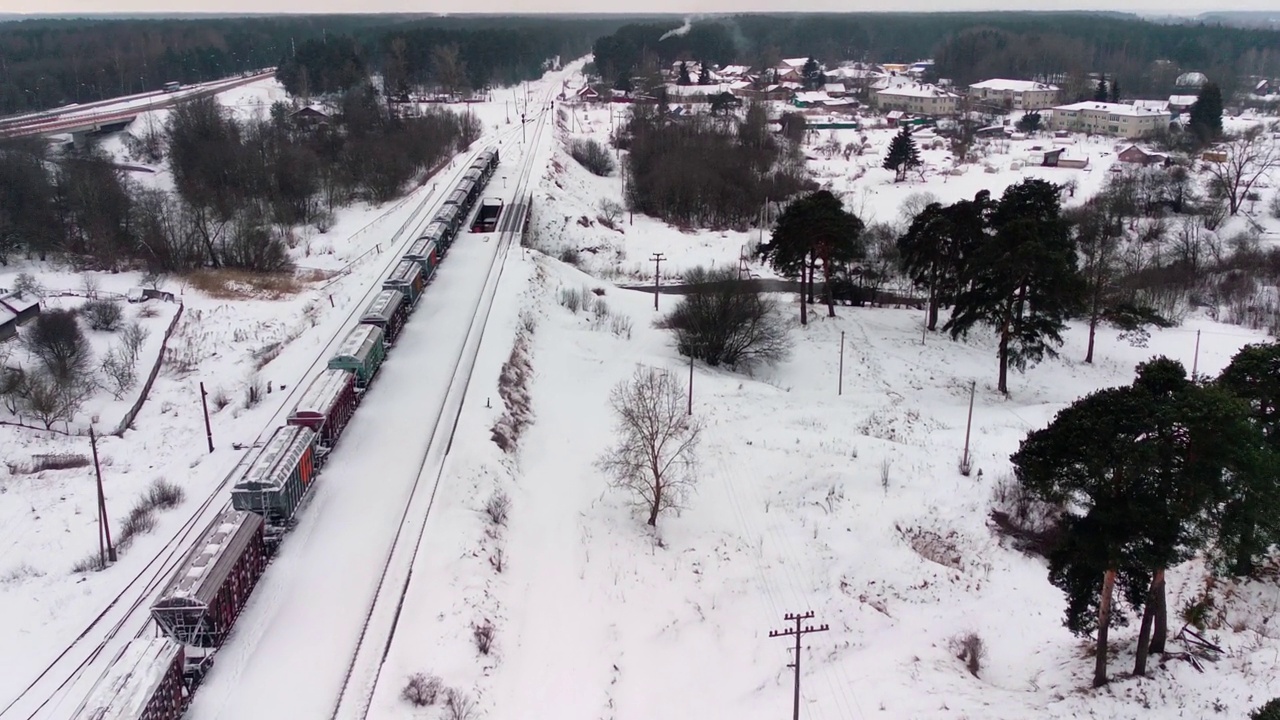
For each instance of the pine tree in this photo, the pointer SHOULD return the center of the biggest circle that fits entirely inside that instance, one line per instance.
(933, 250)
(1100, 92)
(683, 77)
(704, 73)
(814, 227)
(811, 73)
(903, 155)
(1115, 90)
(1206, 114)
(1022, 280)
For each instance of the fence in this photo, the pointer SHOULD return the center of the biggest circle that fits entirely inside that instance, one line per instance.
(151, 377)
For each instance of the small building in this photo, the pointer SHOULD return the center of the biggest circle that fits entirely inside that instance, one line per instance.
(309, 115)
(586, 94)
(808, 99)
(8, 324)
(1015, 94)
(835, 90)
(1137, 156)
(23, 308)
(1179, 104)
(1127, 121)
(917, 99)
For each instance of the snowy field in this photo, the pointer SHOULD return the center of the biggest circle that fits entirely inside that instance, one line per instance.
(807, 501)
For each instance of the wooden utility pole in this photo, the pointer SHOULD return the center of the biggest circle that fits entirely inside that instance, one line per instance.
(840, 390)
(208, 429)
(798, 631)
(691, 382)
(657, 276)
(964, 461)
(1195, 361)
(104, 525)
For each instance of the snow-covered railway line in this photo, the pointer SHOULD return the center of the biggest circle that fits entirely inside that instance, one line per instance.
(383, 616)
(127, 615)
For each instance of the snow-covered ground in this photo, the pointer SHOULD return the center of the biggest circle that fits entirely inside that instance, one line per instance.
(807, 501)
(50, 517)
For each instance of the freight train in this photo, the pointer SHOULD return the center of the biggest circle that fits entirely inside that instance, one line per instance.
(153, 678)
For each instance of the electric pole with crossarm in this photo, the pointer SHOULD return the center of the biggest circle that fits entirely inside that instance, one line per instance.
(799, 631)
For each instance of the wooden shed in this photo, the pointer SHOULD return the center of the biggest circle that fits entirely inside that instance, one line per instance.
(278, 477)
(361, 352)
(210, 587)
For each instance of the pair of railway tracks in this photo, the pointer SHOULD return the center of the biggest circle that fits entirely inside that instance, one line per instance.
(129, 609)
(383, 616)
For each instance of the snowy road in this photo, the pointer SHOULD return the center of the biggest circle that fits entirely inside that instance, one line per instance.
(292, 648)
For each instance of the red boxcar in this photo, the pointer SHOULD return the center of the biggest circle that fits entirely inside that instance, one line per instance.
(213, 582)
(328, 404)
(144, 682)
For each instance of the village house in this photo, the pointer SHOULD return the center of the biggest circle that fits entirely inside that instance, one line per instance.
(790, 70)
(1137, 156)
(16, 309)
(917, 99)
(1117, 119)
(1179, 104)
(1015, 94)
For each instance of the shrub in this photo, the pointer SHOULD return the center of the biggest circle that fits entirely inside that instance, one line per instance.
(483, 635)
(55, 461)
(571, 298)
(131, 339)
(457, 706)
(1034, 525)
(497, 508)
(56, 340)
(103, 314)
(970, 649)
(254, 391)
(220, 399)
(570, 256)
(620, 325)
(164, 495)
(592, 155)
(422, 690)
(148, 311)
(27, 285)
(140, 520)
(89, 563)
(119, 372)
(724, 320)
(1270, 711)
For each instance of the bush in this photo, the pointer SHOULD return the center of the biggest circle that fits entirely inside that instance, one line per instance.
(102, 314)
(483, 634)
(164, 495)
(592, 155)
(89, 563)
(1034, 525)
(140, 520)
(25, 284)
(254, 391)
(1270, 711)
(1274, 206)
(970, 649)
(457, 706)
(422, 690)
(571, 298)
(498, 507)
(56, 461)
(56, 340)
(570, 256)
(724, 320)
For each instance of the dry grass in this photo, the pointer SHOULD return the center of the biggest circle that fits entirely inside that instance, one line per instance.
(228, 284)
(57, 461)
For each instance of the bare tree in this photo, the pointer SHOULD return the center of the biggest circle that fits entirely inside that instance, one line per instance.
(724, 320)
(1249, 157)
(50, 399)
(654, 458)
(449, 69)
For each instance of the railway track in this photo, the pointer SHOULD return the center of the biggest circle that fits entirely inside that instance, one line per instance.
(128, 613)
(384, 612)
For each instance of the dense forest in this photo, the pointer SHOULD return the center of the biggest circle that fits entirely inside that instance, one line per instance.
(46, 63)
(1143, 56)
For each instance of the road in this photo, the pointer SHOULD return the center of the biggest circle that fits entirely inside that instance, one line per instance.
(311, 641)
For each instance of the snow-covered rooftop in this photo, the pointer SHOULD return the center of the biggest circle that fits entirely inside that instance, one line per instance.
(1112, 108)
(795, 62)
(1183, 100)
(123, 692)
(813, 96)
(1013, 85)
(917, 90)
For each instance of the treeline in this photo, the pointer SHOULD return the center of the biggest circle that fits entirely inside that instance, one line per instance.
(707, 172)
(241, 187)
(967, 46)
(46, 63)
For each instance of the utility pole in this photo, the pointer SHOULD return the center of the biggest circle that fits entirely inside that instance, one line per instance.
(657, 276)
(799, 630)
(840, 390)
(964, 461)
(104, 526)
(1195, 361)
(208, 429)
(690, 381)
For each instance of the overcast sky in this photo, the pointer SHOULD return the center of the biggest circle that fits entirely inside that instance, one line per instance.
(1180, 7)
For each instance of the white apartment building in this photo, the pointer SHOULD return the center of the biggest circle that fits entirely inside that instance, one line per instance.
(916, 99)
(1117, 119)
(1015, 94)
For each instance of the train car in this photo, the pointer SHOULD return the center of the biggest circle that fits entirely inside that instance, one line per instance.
(487, 219)
(212, 584)
(488, 160)
(278, 477)
(361, 353)
(389, 312)
(423, 252)
(438, 233)
(458, 199)
(451, 218)
(143, 682)
(327, 405)
(473, 181)
(407, 277)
